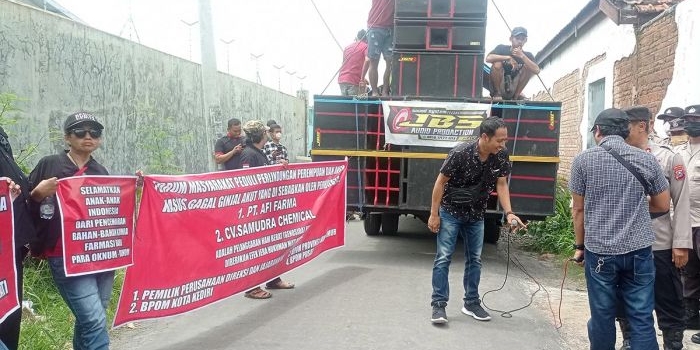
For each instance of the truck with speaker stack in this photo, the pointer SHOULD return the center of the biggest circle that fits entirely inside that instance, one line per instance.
(396, 145)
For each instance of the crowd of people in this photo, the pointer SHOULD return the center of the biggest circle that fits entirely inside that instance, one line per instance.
(38, 222)
(636, 210)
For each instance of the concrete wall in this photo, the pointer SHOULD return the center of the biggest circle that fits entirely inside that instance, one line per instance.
(150, 102)
(643, 77)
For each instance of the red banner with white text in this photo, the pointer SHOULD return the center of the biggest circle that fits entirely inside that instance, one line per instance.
(210, 236)
(8, 270)
(98, 222)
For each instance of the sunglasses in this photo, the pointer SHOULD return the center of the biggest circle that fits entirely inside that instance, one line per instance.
(81, 133)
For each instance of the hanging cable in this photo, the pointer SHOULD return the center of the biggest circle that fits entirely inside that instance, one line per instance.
(336, 40)
(327, 27)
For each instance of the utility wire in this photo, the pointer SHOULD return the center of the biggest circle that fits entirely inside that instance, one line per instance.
(326, 24)
(510, 30)
(336, 41)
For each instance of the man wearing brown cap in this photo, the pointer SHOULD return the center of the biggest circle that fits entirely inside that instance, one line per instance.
(613, 229)
(511, 67)
(673, 236)
(691, 276)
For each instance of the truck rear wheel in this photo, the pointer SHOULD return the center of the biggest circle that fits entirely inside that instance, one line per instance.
(372, 224)
(390, 223)
(492, 231)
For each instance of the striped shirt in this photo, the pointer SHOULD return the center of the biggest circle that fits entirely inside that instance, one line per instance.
(616, 210)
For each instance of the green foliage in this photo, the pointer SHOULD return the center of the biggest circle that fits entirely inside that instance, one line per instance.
(556, 233)
(157, 141)
(51, 325)
(8, 117)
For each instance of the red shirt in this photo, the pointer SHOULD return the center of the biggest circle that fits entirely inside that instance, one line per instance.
(353, 59)
(381, 15)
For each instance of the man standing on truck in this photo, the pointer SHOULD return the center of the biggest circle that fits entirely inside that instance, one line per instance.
(354, 67)
(468, 176)
(511, 67)
(613, 230)
(380, 29)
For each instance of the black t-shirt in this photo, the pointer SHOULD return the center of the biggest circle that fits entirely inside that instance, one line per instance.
(505, 50)
(464, 168)
(24, 227)
(225, 145)
(60, 166)
(252, 157)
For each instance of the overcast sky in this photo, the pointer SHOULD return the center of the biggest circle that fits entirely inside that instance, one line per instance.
(290, 32)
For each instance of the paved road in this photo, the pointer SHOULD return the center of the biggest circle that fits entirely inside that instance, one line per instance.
(374, 293)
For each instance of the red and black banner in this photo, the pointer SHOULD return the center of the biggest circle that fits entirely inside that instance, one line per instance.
(98, 222)
(202, 238)
(8, 270)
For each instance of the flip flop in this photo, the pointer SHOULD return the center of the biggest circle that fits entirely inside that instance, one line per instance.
(258, 293)
(280, 285)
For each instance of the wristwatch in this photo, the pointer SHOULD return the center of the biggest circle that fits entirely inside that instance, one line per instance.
(579, 246)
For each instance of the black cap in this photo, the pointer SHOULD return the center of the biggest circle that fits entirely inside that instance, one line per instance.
(79, 118)
(638, 113)
(671, 113)
(677, 124)
(611, 117)
(692, 111)
(518, 31)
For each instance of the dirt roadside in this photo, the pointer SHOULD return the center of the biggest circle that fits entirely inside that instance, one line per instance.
(548, 269)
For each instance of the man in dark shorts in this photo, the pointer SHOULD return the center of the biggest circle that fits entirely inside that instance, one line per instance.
(511, 67)
(380, 37)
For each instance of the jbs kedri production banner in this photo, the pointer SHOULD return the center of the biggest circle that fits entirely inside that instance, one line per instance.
(98, 222)
(438, 124)
(202, 238)
(8, 272)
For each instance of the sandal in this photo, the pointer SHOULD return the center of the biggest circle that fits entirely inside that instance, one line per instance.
(258, 293)
(280, 285)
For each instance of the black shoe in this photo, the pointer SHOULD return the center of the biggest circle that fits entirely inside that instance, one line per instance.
(439, 315)
(476, 311)
(626, 345)
(695, 338)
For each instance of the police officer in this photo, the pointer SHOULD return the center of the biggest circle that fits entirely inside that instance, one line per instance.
(667, 116)
(678, 135)
(673, 235)
(691, 277)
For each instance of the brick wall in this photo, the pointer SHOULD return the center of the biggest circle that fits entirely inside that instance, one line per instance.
(643, 77)
(567, 90)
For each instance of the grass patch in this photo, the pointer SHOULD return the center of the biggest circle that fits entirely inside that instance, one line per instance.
(556, 233)
(51, 327)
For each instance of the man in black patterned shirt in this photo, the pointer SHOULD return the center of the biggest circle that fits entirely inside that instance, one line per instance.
(467, 177)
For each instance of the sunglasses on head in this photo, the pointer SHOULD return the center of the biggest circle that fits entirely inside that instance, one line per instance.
(80, 133)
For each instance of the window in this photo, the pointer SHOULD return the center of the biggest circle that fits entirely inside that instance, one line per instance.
(596, 104)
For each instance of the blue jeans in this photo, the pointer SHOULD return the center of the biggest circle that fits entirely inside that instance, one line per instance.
(633, 274)
(2, 346)
(87, 297)
(472, 233)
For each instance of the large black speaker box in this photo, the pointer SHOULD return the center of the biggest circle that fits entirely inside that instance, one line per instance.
(446, 74)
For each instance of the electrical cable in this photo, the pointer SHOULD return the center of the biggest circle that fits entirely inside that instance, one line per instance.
(336, 41)
(510, 30)
(514, 260)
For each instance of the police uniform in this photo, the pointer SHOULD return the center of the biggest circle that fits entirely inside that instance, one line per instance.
(669, 114)
(672, 231)
(691, 276)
